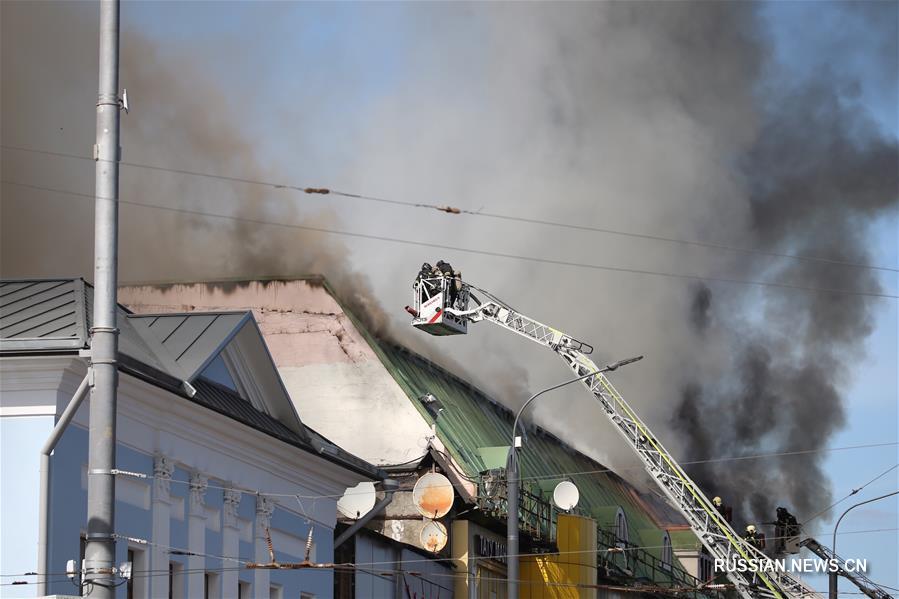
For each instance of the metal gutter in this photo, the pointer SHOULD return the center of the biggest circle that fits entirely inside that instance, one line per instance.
(43, 557)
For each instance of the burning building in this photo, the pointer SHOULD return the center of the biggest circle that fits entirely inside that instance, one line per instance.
(399, 410)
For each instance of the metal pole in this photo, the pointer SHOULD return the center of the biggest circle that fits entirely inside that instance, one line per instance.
(43, 539)
(512, 480)
(834, 584)
(99, 554)
(512, 522)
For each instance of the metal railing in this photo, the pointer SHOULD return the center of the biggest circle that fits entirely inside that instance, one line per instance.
(620, 559)
(535, 515)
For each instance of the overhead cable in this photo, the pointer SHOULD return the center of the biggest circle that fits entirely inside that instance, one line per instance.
(535, 259)
(477, 213)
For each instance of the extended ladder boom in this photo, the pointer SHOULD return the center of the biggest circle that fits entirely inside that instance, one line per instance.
(864, 584)
(709, 526)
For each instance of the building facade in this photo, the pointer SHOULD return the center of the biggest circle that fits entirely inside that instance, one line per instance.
(214, 462)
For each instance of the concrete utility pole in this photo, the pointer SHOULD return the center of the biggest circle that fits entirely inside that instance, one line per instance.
(99, 553)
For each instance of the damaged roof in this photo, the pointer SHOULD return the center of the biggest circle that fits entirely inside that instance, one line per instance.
(170, 351)
(476, 429)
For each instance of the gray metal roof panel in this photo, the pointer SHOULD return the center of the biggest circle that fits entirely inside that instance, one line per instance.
(42, 314)
(192, 340)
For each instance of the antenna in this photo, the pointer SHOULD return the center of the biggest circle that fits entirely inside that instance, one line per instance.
(357, 501)
(433, 495)
(566, 495)
(433, 536)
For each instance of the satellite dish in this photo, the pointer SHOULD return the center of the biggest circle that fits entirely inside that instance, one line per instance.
(357, 501)
(433, 536)
(566, 495)
(433, 495)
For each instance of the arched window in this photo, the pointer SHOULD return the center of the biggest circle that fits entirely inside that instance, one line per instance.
(621, 527)
(667, 551)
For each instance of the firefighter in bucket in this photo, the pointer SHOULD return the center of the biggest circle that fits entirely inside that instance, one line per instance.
(438, 294)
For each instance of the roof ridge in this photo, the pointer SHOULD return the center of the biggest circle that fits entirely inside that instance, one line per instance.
(139, 315)
(224, 280)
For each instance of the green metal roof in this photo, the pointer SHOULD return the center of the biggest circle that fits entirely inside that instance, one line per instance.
(473, 427)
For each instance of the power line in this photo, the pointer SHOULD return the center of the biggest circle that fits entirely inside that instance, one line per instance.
(480, 213)
(853, 492)
(611, 550)
(534, 259)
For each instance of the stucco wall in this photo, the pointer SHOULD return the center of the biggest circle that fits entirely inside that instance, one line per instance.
(337, 383)
(152, 422)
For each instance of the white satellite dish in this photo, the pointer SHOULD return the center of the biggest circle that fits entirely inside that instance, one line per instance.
(433, 495)
(357, 501)
(433, 536)
(566, 495)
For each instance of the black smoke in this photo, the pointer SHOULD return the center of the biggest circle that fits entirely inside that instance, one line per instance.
(820, 174)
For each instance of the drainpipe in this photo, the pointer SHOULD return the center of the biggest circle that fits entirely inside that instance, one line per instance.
(390, 487)
(43, 557)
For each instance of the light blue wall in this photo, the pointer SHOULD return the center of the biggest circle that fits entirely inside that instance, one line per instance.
(21, 438)
(69, 506)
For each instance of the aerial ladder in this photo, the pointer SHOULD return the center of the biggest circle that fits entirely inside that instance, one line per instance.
(864, 584)
(441, 307)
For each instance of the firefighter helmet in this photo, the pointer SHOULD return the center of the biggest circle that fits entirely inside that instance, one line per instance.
(717, 501)
(750, 529)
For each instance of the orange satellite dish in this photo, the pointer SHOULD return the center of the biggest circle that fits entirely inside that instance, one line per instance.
(433, 536)
(433, 495)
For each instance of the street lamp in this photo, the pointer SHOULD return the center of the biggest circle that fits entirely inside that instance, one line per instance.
(834, 581)
(512, 482)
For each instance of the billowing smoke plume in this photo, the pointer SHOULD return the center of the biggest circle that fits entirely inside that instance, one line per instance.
(818, 173)
(670, 118)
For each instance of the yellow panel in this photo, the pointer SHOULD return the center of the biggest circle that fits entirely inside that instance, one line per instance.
(561, 576)
(459, 550)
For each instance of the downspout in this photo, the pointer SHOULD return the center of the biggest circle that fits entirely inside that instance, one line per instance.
(43, 557)
(390, 487)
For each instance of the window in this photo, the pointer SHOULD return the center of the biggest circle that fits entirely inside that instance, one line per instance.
(176, 580)
(136, 587)
(621, 527)
(243, 590)
(129, 587)
(218, 372)
(667, 552)
(211, 585)
(276, 591)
